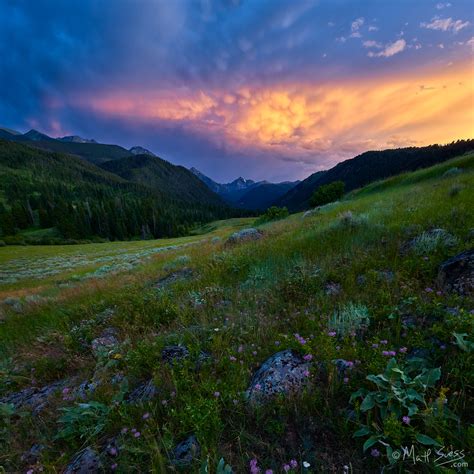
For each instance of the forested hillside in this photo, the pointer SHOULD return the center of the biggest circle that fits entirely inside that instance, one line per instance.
(372, 166)
(44, 190)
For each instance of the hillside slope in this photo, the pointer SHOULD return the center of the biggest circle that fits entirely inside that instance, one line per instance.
(158, 174)
(372, 166)
(331, 333)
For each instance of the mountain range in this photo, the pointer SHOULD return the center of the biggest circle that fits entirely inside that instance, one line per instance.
(246, 193)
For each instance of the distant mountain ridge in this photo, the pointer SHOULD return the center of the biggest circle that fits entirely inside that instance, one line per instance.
(246, 193)
(75, 139)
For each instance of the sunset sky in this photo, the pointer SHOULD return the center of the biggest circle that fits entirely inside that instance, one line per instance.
(264, 89)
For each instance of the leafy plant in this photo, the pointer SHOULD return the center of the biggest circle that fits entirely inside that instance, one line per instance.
(400, 395)
(221, 468)
(85, 420)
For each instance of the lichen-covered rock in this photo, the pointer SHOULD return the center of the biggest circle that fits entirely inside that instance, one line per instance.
(174, 353)
(244, 235)
(457, 273)
(284, 373)
(186, 452)
(143, 393)
(182, 274)
(86, 389)
(86, 461)
(106, 342)
(32, 398)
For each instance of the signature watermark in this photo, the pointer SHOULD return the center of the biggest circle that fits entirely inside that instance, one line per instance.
(443, 456)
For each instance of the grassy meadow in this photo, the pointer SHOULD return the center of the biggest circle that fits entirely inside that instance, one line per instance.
(355, 281)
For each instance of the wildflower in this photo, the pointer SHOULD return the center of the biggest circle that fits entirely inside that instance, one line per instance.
(294, 463)
(164, 402)
(286, 467)
(375, 346)
(392, 353)
(375, 453)
(137, 434)
(308, 357)
(331, 333)
(66, 390)
(124, 430)
(134, 430)
(306, 373)
(254, 353)
(240, 349)
(113, 451)
(232, 358)
(254, 469)
(402, 350)
(300, 339)
(306, 464)
(258, 386)
(268, 471)
(442, 347)
(114, 466)
(217, 394)
(146, 416)
(346, 379)
(30, 471)
(277, 343)
(406, 420)
(429, 290)
(384, 342)
(349, 364)
(385, 353)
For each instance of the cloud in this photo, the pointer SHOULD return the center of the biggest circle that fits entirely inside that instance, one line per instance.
(373, 28)
(355, 27)
(372, 44)
(390, 49)
(470, 42)
(445, 24)
(440, 5)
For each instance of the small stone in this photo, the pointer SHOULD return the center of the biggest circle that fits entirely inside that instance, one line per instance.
(186, 452)
(86, 461)
(174, 353)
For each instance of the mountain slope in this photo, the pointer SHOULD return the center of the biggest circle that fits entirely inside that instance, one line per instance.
(156, 173)
(372, 166)
(43, 189)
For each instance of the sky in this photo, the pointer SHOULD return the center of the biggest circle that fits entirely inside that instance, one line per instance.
(265, 89)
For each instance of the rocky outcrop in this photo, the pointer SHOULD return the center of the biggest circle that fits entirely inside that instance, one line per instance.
(284, 373)
(457, 273)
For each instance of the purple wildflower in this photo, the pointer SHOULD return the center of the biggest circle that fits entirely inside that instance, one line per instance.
(375, 346)
(137, 434)
(384, 342)
(402, 350)
(308, 357)
(254, 469)
(294, 463)
(146, 416)
(406, 420)
(332, 333)
(286, 467)
(375, 453)
(232, 358)
(346, 380)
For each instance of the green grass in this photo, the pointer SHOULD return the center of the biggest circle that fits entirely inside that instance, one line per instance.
(247, 302)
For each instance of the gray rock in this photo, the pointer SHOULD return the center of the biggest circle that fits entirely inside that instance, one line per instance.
(283, 373)
(86, 461)
(145, 392)
(174, 353)
(33, 455)
(86, 389)
(457, 273)
(186, 452)
(244, 235)
(106, 342)
(182, 274)
(33, 398)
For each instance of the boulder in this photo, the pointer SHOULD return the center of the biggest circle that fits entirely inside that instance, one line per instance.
(86, 461)
(285, 373)
(244, 235)
(186, 452)
(457, 273)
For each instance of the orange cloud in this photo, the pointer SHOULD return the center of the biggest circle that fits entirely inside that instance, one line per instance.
(338, 119)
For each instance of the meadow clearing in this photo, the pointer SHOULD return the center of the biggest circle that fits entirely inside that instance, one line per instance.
(129, 350)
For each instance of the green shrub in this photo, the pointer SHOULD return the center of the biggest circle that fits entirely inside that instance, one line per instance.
(327, 193)
(273, 213)
(350, 318)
